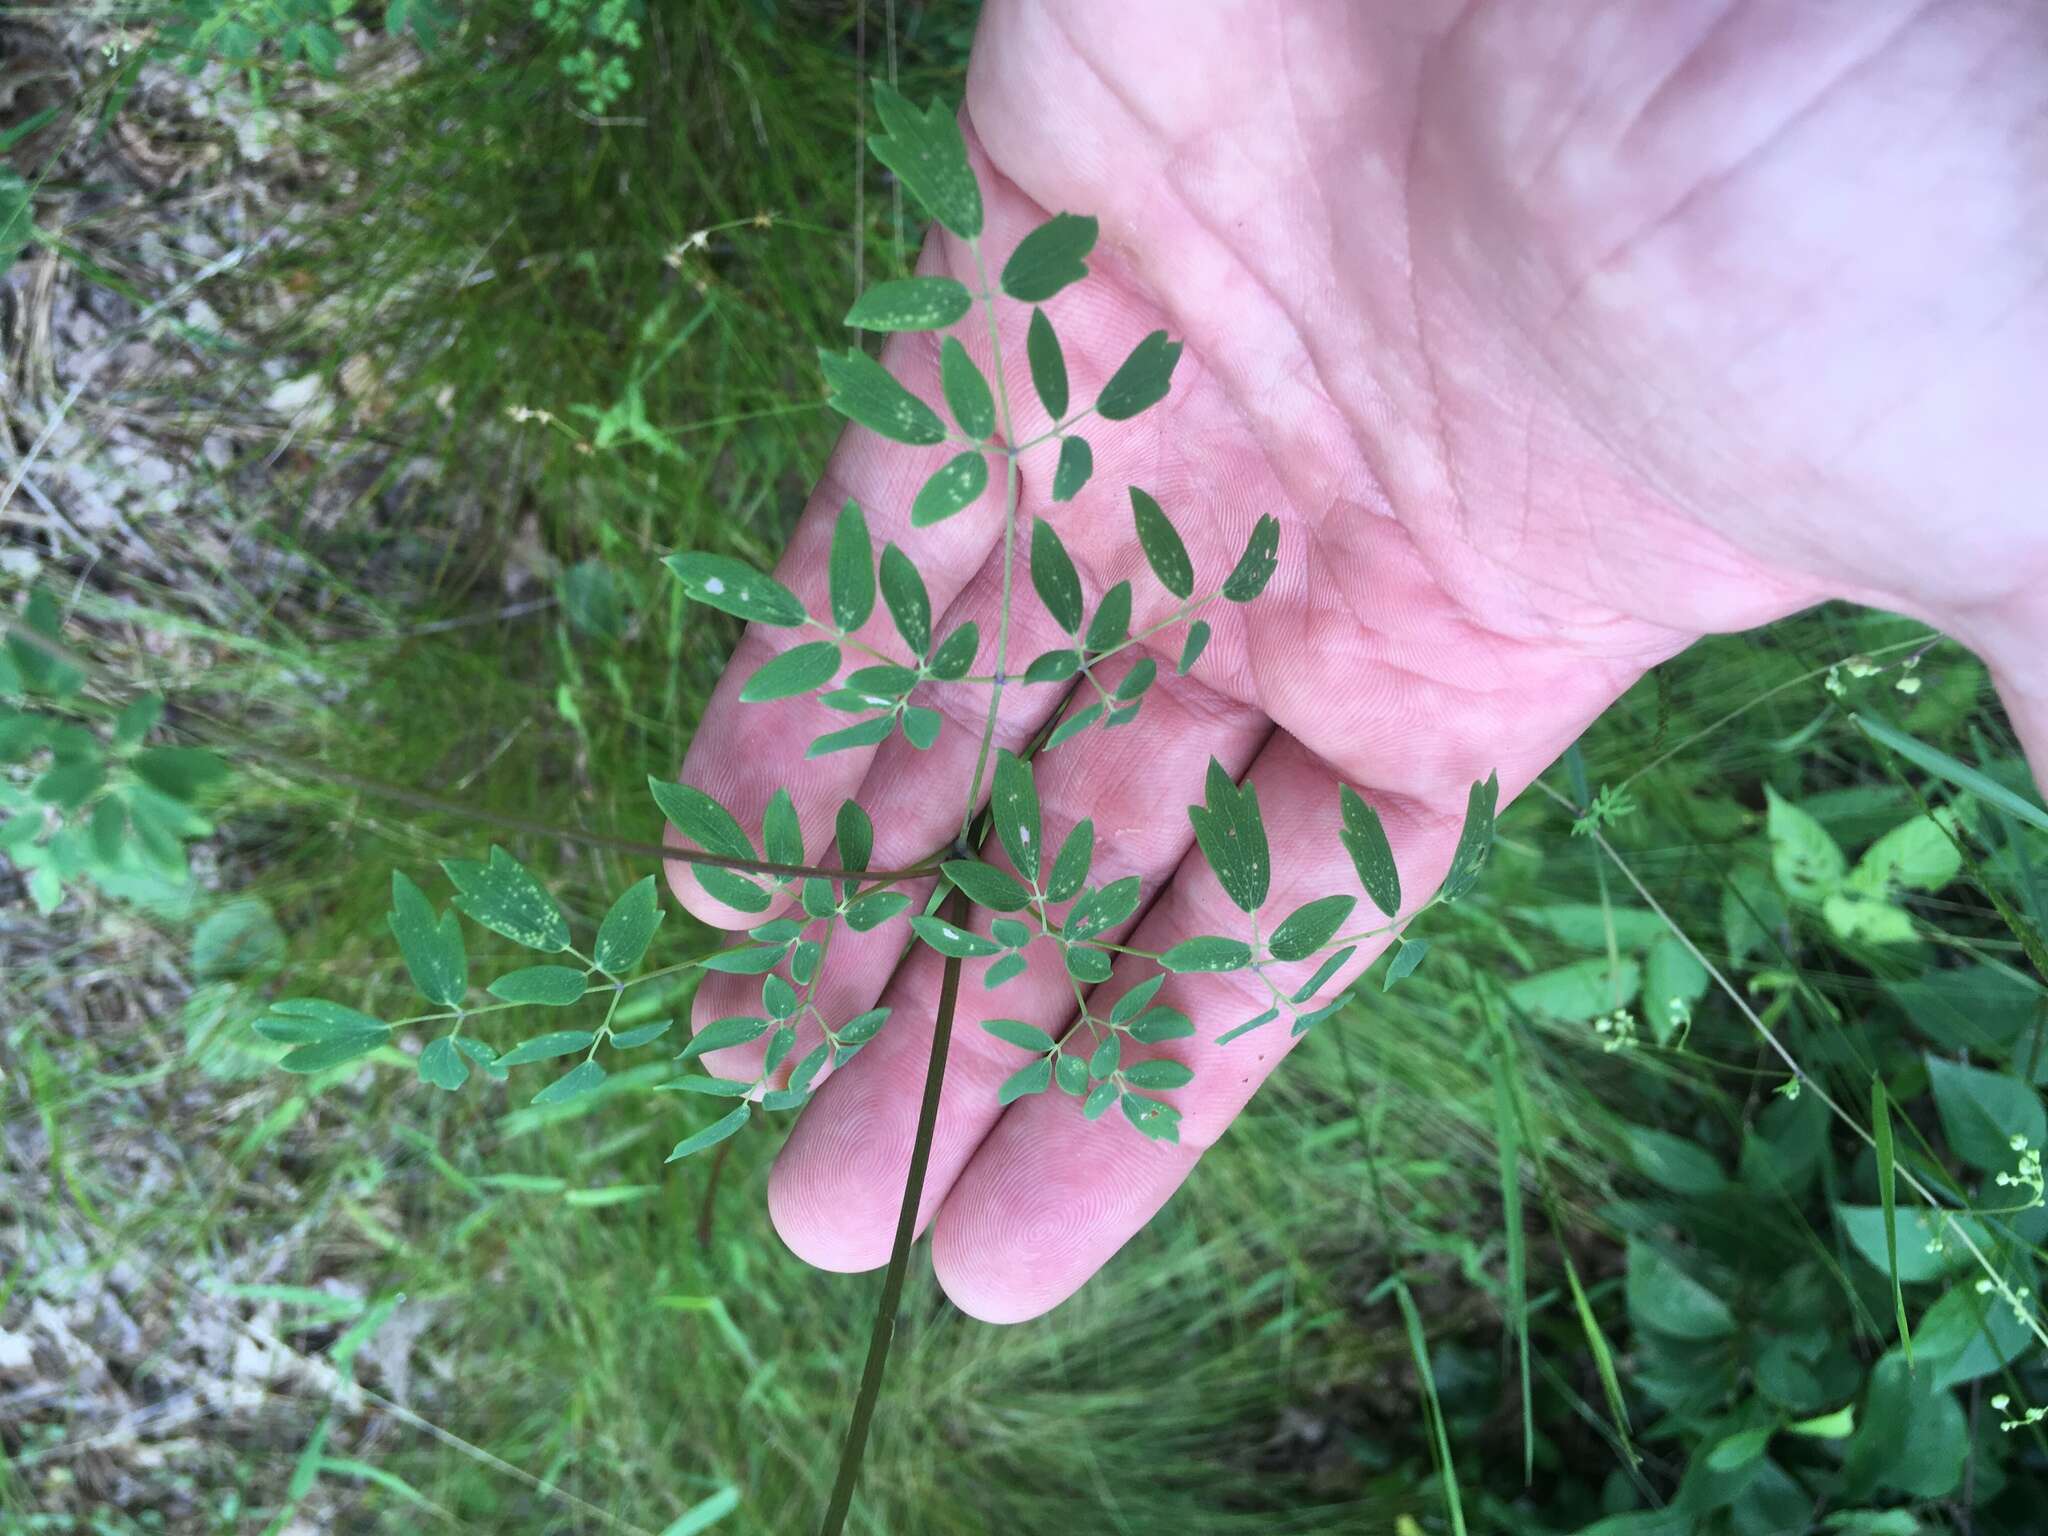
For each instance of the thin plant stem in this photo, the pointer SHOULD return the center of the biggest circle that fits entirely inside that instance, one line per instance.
(850, 1452)
(1010, 452)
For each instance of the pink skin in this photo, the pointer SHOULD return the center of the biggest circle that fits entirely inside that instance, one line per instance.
(1555, 336)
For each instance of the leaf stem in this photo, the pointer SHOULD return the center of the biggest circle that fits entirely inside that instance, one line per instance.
(955, 911)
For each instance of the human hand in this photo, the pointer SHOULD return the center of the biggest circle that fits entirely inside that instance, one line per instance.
(1554, 337)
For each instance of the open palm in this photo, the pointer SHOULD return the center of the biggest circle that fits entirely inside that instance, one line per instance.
(1554, 337)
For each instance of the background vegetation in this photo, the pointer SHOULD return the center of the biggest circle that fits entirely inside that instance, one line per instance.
(357, 372)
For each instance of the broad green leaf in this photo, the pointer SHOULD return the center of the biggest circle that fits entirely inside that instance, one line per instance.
(1580, 992)
(1109, 1055)
(1053, 576)
(1191, 652)
(859, 1031)
(1673, 980)
(1024, 1036)
(780, 1044)
(1152, 1119)
(1857, 917)
(1133, 1002)
(874, 909)
(797, 670)
(1010, 933)
(1158, 1074)
(920, 726)
(1049, 258)
(1309, 927)
(782, 835)
(709, 1087)
(432, 946)
(852, 569)
(745, 961)
(723, 1034)
(1365, 839)
(953, 487)
(709, 826)
(1808, 863)
(910, 605)
(1101, 910)
(955, 655)
(1164, 551)
(1207, 953)
(1412, 952)
(1918, 855)
(926, 152)
(1142, 380)
(967, 394)
(1014, 807)
(1913, 1438)
(182, 773)
(545, 1047)
(854, 835)
(1099, 1099)
(1256, 565)
(628, 928)
(550, 986)
(862, 390)
(1665, 1299)
(1917, 1228)
(987, 886)
(1048, 365)
(1233, 838)
(241, 938)
(1035, 1078)
(590, 596)
(39, 669)
(867, 734)
(1144, 672)
(1475, 839)
(1981, 1113)
(736, 588)
(505, 898)
(1070, 869)
(1071, 1073)
(1162, 1024)
(1673, 1163)
(911, 304)
(1330, 966)
(442, 1065)
(1076, 464)
(949, 940)
(1738, 1450)
(712, 1134)
(1967, 1335)
(887, 682)
(1053, 667)
(1111, 626)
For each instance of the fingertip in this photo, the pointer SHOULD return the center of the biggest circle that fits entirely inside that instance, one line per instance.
(824, 1211)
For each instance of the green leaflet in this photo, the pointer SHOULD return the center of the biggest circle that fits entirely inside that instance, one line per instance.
(712, 1134)
(1142, 381)
(1013, 804)
(1159, 1073)
(920, 726)
(987, 886)
(1207, 953)
(560, 1042)
(1077, 463)
(628, 928)
(1048, 365)
(1016, 1032)
(1070, 869)
(782, 835)
(1100, 910)
(966, 391)
(1111, 626)
(432, 946)
(584, 1077)
(1164, 551)
(506, 899)
(1233, 838)
(1197, 642)
(723, 1034)
(953, 487)
(735, 588)
(1475, 840)
(1365, 839)
(1406, 958)
(852, 569)
(1309, 927)
(1053, 576)
(955, 655)
(797, 670)
(549, 986)
(862, 390)
(855, 835)
(1256, 565)
(1049, 258)
(442, 1065)
(926, 152)
(948, 940)
(911, 304)
(1035, 1078)
(910, 605)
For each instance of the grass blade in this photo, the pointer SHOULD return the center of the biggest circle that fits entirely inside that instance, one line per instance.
(1603, 1360)
(1958, 773)
(1887, 1177)
(1440, 1440)
(1509, 1141)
